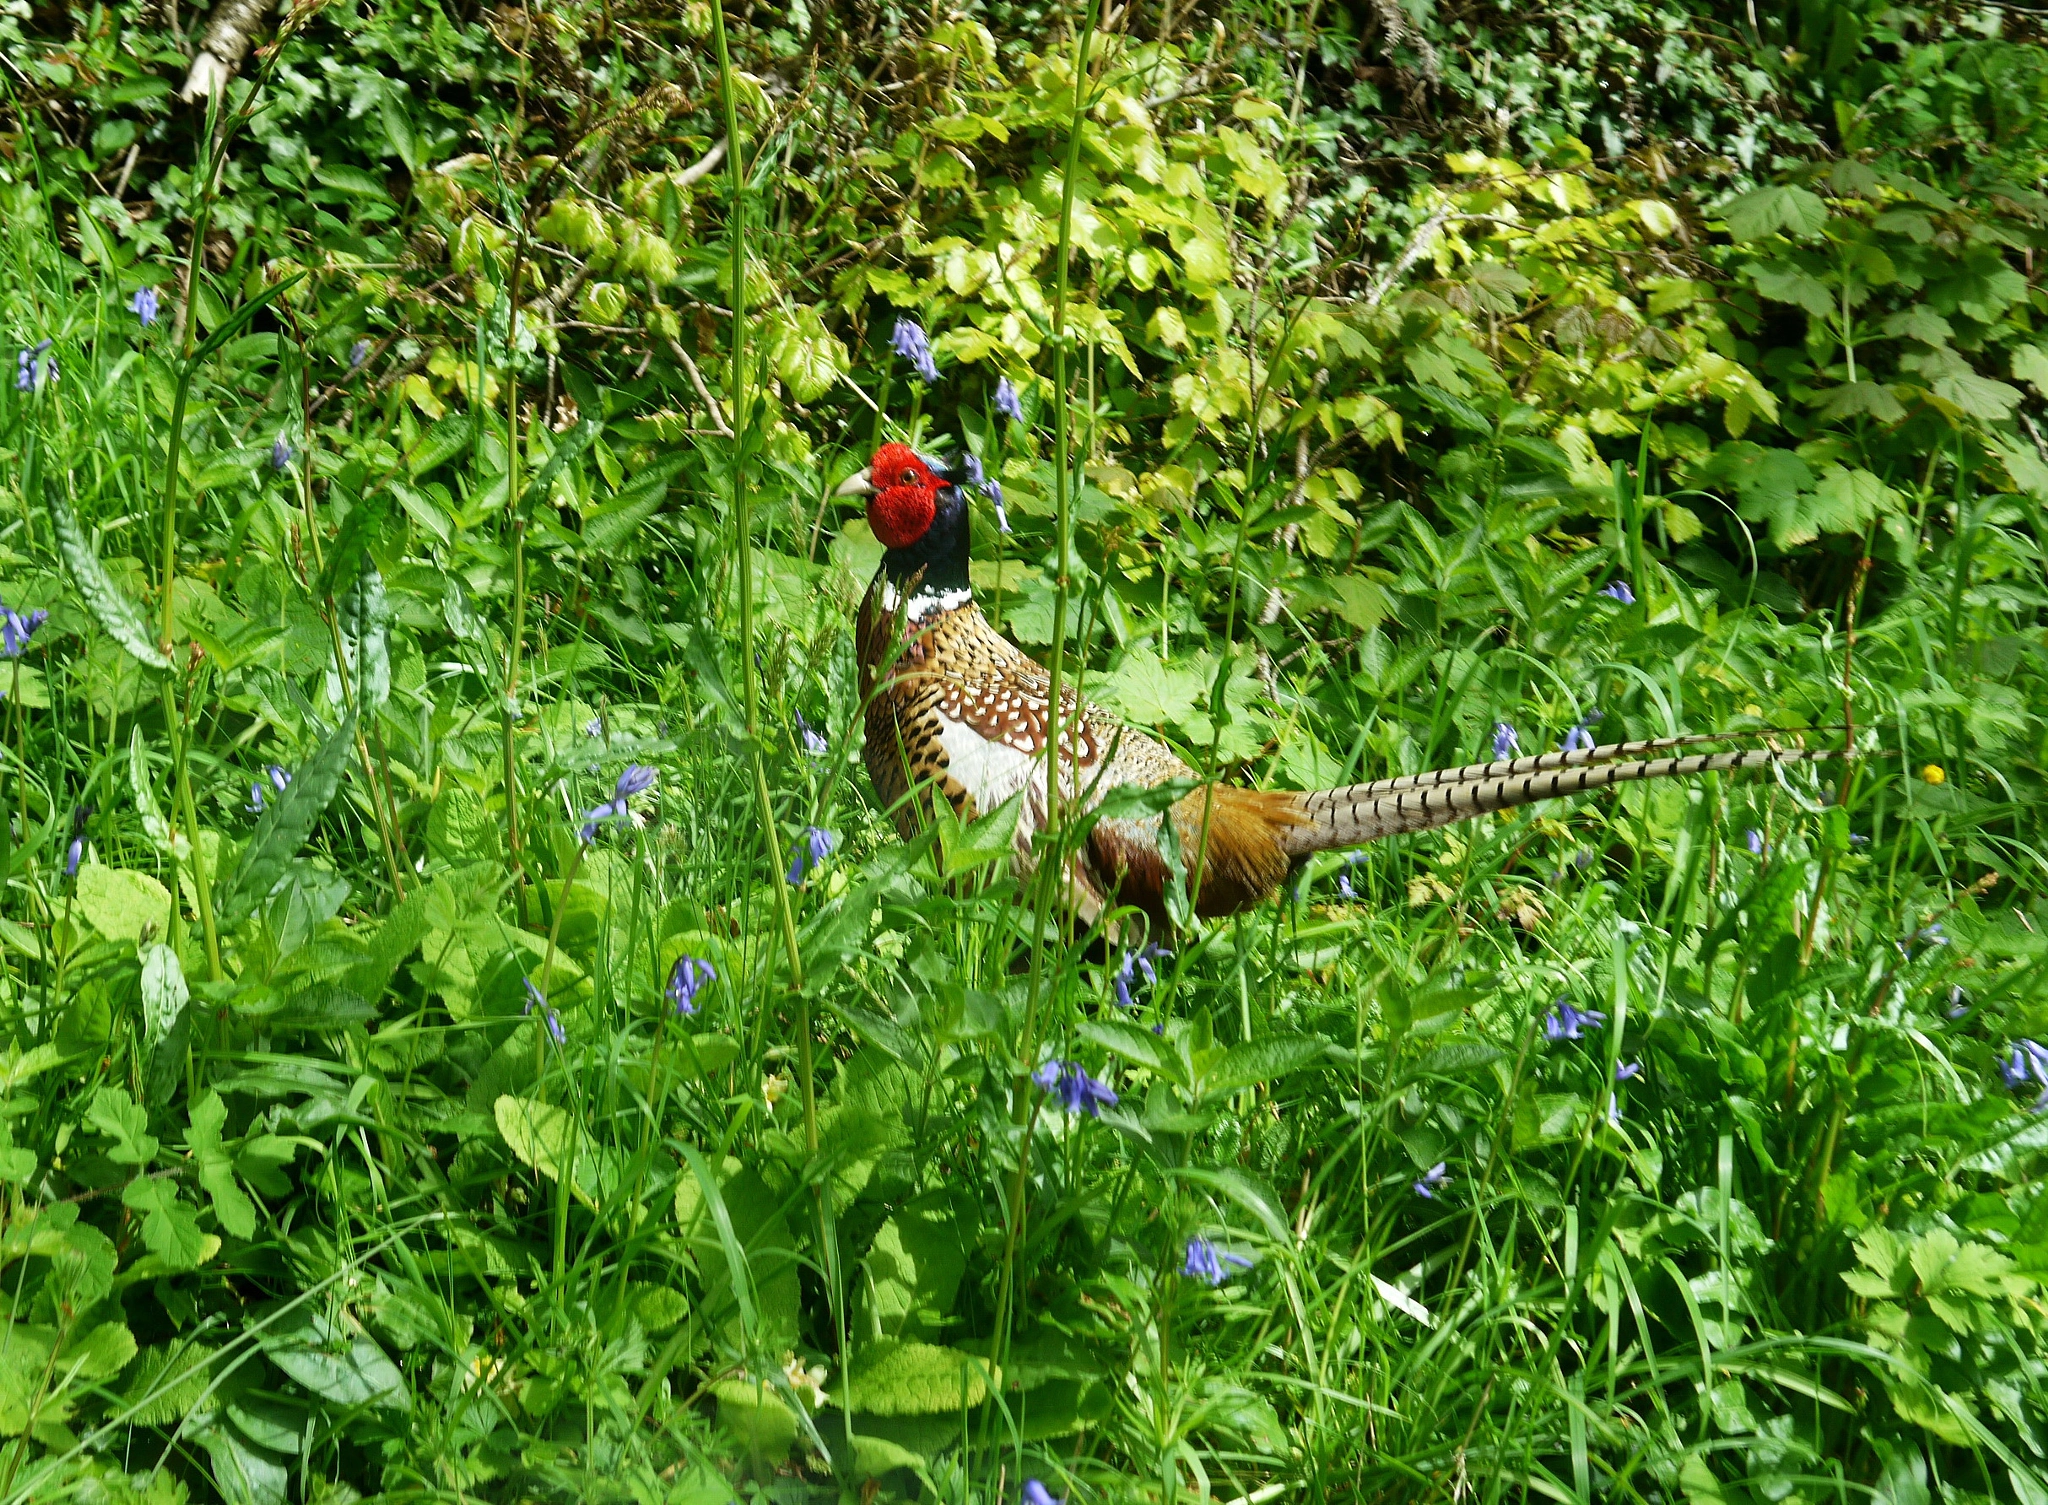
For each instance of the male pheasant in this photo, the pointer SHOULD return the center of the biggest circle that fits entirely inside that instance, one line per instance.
(954, 708)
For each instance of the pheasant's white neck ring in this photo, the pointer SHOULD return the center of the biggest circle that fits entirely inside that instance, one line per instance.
(925, 603)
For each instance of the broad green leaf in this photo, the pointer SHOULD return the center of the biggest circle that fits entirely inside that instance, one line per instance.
(893, 1378)
(914, 1268)
(336, 1360)
(567, 448)
(745, 1255)
(1264, 1061)
(1766, 211)
(110, 606)
(608, 528)
(1786, 283)
(123, 905)
(451, 436)
(164, 993)
(285, 824)
(756, 1418)
(1979, 396)
(245, 1473)
(1136, 1045)
(543, 1136)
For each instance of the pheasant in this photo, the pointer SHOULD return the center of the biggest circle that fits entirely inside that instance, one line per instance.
(954, 709)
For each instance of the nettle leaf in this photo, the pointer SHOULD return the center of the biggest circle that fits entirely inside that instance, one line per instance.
(109, 604)
(123, 905)
(285, 824)
(449, 437)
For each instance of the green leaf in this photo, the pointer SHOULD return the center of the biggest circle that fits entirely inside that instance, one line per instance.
(914, 1268)
(1783, 282)
(567, 448)
(123, 905)
(1870, 398)
(231, 1205)
(246, 310)
(543, 1136)
(893, 1378)
(110, 607)
(1136, 1045)
(1979, 396)
(1765, 211)
(745, 1255)
(1264, 1061)
(244, 1473)
(164, 993)
(366, 522)
(336, 1360)
(448, 438)
(115, 1114)
(170, 1228)
(285, 824)
(607, 528)
(364, 615)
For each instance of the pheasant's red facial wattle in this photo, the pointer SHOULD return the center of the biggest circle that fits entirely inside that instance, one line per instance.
(905, 496)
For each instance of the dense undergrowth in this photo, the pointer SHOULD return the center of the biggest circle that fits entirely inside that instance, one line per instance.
(470, 1033)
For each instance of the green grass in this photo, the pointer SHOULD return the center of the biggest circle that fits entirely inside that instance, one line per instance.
(380, 1164)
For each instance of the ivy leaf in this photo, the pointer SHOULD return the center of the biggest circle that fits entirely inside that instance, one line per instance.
(286, 824)
(109, 604)
(231, 1204)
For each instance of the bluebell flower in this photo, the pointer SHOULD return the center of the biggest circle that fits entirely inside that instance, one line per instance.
(1432, 1180)
(816, 846)
(636, 778)
(1138, 961)
(908, 340)
(1568, 1023)
(686, 980)
(1613, 1111)
(1205, 1262)
(255, 805)
(594, 727)
(815, 745)
(970, 469)
(535, 1000)
(1344, 888)
(80, 814)
(1958, 1002)
(1627, 1072)
(357, 354)
(27, 375)
(2029, 1059)
(1619, 591)
(1037, 1494)
(145, 305)
(1755, 839)
(1580, 737)
(1505, 743)
(994, 490)
(16, 629)
(278, 778)
(1008, 404)
(1077, 1091)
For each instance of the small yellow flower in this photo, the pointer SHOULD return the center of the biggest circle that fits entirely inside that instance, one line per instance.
(1932, 774)
(772, 1088)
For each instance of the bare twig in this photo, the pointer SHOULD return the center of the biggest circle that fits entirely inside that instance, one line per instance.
(697, 381)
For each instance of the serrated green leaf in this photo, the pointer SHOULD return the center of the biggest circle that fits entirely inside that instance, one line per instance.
(170, 1228)
(448, 438)
(337, 1361)
(894, 1378)
(110, 606)
(1264, 1061)
(285, 824)
(115, 1114)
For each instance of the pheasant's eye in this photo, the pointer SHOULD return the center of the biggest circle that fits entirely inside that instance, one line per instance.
(909, 478)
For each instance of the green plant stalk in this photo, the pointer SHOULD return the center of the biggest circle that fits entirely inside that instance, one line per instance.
(202, 880)
(1052, 865)
(508, 709)
(750, 685)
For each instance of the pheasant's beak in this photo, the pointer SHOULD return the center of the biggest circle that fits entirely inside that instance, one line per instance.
(856, 484)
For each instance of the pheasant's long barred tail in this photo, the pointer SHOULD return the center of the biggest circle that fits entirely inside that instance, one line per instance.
(1366, 812)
